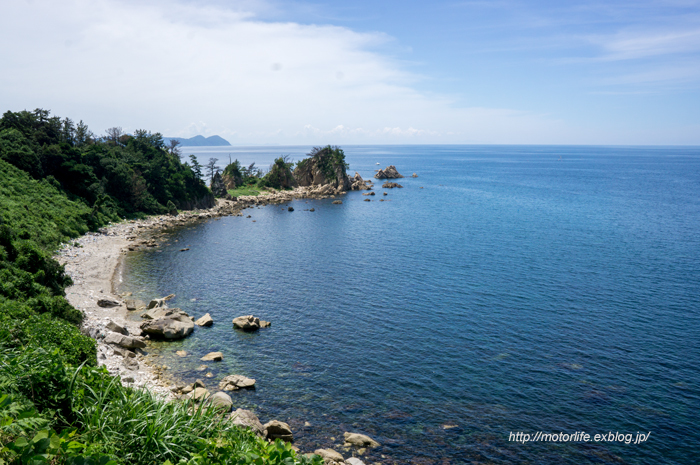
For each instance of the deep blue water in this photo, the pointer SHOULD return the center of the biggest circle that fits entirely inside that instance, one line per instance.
(523, 288)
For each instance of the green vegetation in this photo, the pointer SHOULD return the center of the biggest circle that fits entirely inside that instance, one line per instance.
(330, 160)
(247, 190)
(280, 175)
(56, 406)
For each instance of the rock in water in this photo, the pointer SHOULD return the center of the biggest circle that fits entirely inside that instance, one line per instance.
(171, 323)
(391, 185)
(279, 430)
(247, 323)
(108, 303)
(357, 183)
(236, 382)
(221, 401)
(206, 320)
(414, 175)
(359, 440)
(213, 357)
(290, 209)
(337, 202)
(247, 419)
(388, 173)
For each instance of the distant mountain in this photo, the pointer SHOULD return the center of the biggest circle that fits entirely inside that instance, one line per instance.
(198, 141)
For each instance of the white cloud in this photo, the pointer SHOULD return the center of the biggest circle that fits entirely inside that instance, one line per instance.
(162, 66)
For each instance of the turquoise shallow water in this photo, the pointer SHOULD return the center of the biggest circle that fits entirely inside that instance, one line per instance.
(524, 288)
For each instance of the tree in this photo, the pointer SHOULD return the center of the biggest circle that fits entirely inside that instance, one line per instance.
(196, 167)
(173, 148)
(82, 134)
(114, 134)
(212, 168)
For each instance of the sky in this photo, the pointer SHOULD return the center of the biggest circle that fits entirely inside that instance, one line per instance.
(264, 72)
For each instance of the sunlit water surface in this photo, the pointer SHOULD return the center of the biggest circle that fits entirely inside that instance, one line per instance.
(504, 289)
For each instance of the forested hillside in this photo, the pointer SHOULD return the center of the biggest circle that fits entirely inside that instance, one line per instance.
(57, 181)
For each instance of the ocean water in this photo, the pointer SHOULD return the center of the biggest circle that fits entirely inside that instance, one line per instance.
(505, 289)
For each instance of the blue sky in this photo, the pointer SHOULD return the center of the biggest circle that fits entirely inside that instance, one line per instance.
(260, 72)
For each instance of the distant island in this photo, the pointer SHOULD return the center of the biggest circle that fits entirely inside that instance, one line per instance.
(198, 141)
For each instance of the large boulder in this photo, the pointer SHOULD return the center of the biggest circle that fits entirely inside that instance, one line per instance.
(126, 342)
(107, 303)
(236, 382)
(221, 401)
(388, 173)
(112, 326)
(198, 394)
(134, 304)
(206, 320)
(170, 323)
(279, 430)
(247, 419)
(359, 440)
(248, 323)
(325, 166)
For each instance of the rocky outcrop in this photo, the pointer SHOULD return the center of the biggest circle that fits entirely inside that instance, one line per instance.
(167, 323)
(217, 186)
(325, 167)
(249, 323)
(359, 440)
(391, 185)
(206, 320)
(247, 419)
(359, 184)
(236, 382)
(279, 430)
(388, 173)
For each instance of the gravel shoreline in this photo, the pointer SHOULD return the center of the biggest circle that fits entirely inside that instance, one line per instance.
(93, 260)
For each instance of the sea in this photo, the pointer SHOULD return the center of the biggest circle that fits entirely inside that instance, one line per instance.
(506, 291)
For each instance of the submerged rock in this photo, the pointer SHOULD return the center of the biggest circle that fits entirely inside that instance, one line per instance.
(213, 357)
(337, 202)
(359, 440)
(388, 173)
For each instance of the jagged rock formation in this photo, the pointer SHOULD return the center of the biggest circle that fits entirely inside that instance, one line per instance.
(325, 167)
(359, 184)
(388, 173)
(217, 186)
(280, 175)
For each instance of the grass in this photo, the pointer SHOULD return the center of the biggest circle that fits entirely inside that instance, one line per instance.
(248, 190)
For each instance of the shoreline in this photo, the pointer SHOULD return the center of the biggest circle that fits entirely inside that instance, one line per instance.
(95, 266)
